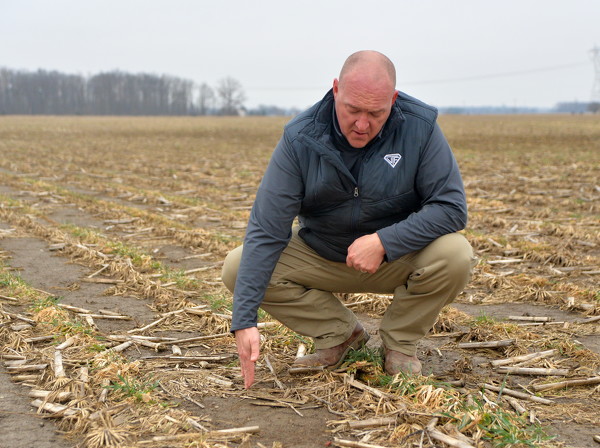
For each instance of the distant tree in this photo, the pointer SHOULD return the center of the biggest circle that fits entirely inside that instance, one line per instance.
(231, 96)
(5, 95)
(121, 93)
(101, 94)
(181, 96)
(594, 107)
(113, 93)
(206, 99)
(40, 92)
(72, 93)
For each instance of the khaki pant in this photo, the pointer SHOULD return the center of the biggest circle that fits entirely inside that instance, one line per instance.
(300, 296)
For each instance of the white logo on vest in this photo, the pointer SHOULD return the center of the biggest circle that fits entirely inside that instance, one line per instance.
(392, 159)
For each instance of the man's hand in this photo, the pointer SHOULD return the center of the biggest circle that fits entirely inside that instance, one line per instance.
(248, 347)
(366, 253)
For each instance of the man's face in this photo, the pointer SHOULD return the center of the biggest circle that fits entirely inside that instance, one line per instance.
(362, 108)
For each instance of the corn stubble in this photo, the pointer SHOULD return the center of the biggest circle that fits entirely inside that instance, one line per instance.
(189, 182)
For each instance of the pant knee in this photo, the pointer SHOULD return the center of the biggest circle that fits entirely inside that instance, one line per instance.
(446, 263)
(230, 268)
(457, 254)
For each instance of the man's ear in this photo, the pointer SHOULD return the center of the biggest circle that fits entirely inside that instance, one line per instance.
(336, 87)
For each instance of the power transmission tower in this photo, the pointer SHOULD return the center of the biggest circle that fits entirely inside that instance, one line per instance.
(595, 56)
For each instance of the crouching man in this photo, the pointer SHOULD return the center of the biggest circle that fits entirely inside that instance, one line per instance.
(379, 200)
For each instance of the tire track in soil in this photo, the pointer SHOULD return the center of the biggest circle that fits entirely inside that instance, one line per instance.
(20, 427)
(169, 253)
(53, 274)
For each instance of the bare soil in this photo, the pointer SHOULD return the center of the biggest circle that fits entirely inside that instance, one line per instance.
(21, 427)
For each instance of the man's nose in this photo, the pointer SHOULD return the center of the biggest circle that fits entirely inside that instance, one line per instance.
(362, 123)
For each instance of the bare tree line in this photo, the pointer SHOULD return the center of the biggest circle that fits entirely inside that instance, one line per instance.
(115, 93)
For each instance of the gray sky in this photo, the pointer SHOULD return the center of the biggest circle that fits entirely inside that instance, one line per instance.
(447, 52)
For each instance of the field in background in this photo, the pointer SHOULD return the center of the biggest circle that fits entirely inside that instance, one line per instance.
(112, 234)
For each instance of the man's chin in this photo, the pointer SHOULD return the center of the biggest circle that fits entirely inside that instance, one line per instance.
(358, 140)
(358, 144)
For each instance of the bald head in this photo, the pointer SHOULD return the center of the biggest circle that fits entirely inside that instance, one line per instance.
(369, 63)
(364, 95)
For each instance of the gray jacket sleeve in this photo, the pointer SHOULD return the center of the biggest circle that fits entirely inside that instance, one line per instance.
(276, 205)
(444, 205)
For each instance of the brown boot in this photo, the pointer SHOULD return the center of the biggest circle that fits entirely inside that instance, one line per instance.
(334, 356)
(396, 362)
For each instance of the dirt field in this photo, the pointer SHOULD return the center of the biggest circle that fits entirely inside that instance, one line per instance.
(114, 320)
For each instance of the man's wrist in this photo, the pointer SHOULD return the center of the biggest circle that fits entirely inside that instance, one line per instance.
(383, 248)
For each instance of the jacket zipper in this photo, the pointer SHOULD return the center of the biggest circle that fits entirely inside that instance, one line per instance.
(355, 211)
(356, 200)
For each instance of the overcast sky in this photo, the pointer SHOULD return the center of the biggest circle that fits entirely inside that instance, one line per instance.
(447, 52)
